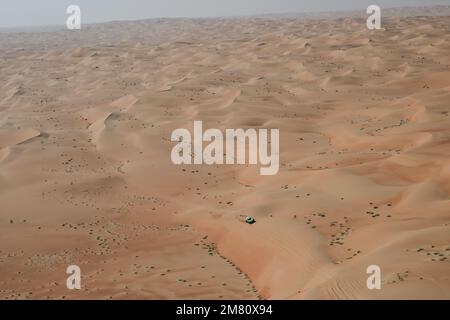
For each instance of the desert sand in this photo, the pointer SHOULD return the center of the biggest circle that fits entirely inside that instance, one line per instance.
(86, 177)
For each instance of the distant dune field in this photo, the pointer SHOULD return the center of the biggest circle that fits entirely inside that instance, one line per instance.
(86, 177)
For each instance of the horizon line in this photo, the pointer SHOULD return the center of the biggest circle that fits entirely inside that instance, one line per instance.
(234, 16)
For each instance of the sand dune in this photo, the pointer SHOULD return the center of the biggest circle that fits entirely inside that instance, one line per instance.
(86, 176)
(11, 137)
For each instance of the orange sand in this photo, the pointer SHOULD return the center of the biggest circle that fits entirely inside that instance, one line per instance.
(86, 176)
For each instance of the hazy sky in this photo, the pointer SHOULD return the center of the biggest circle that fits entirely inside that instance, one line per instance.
(53, 12)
